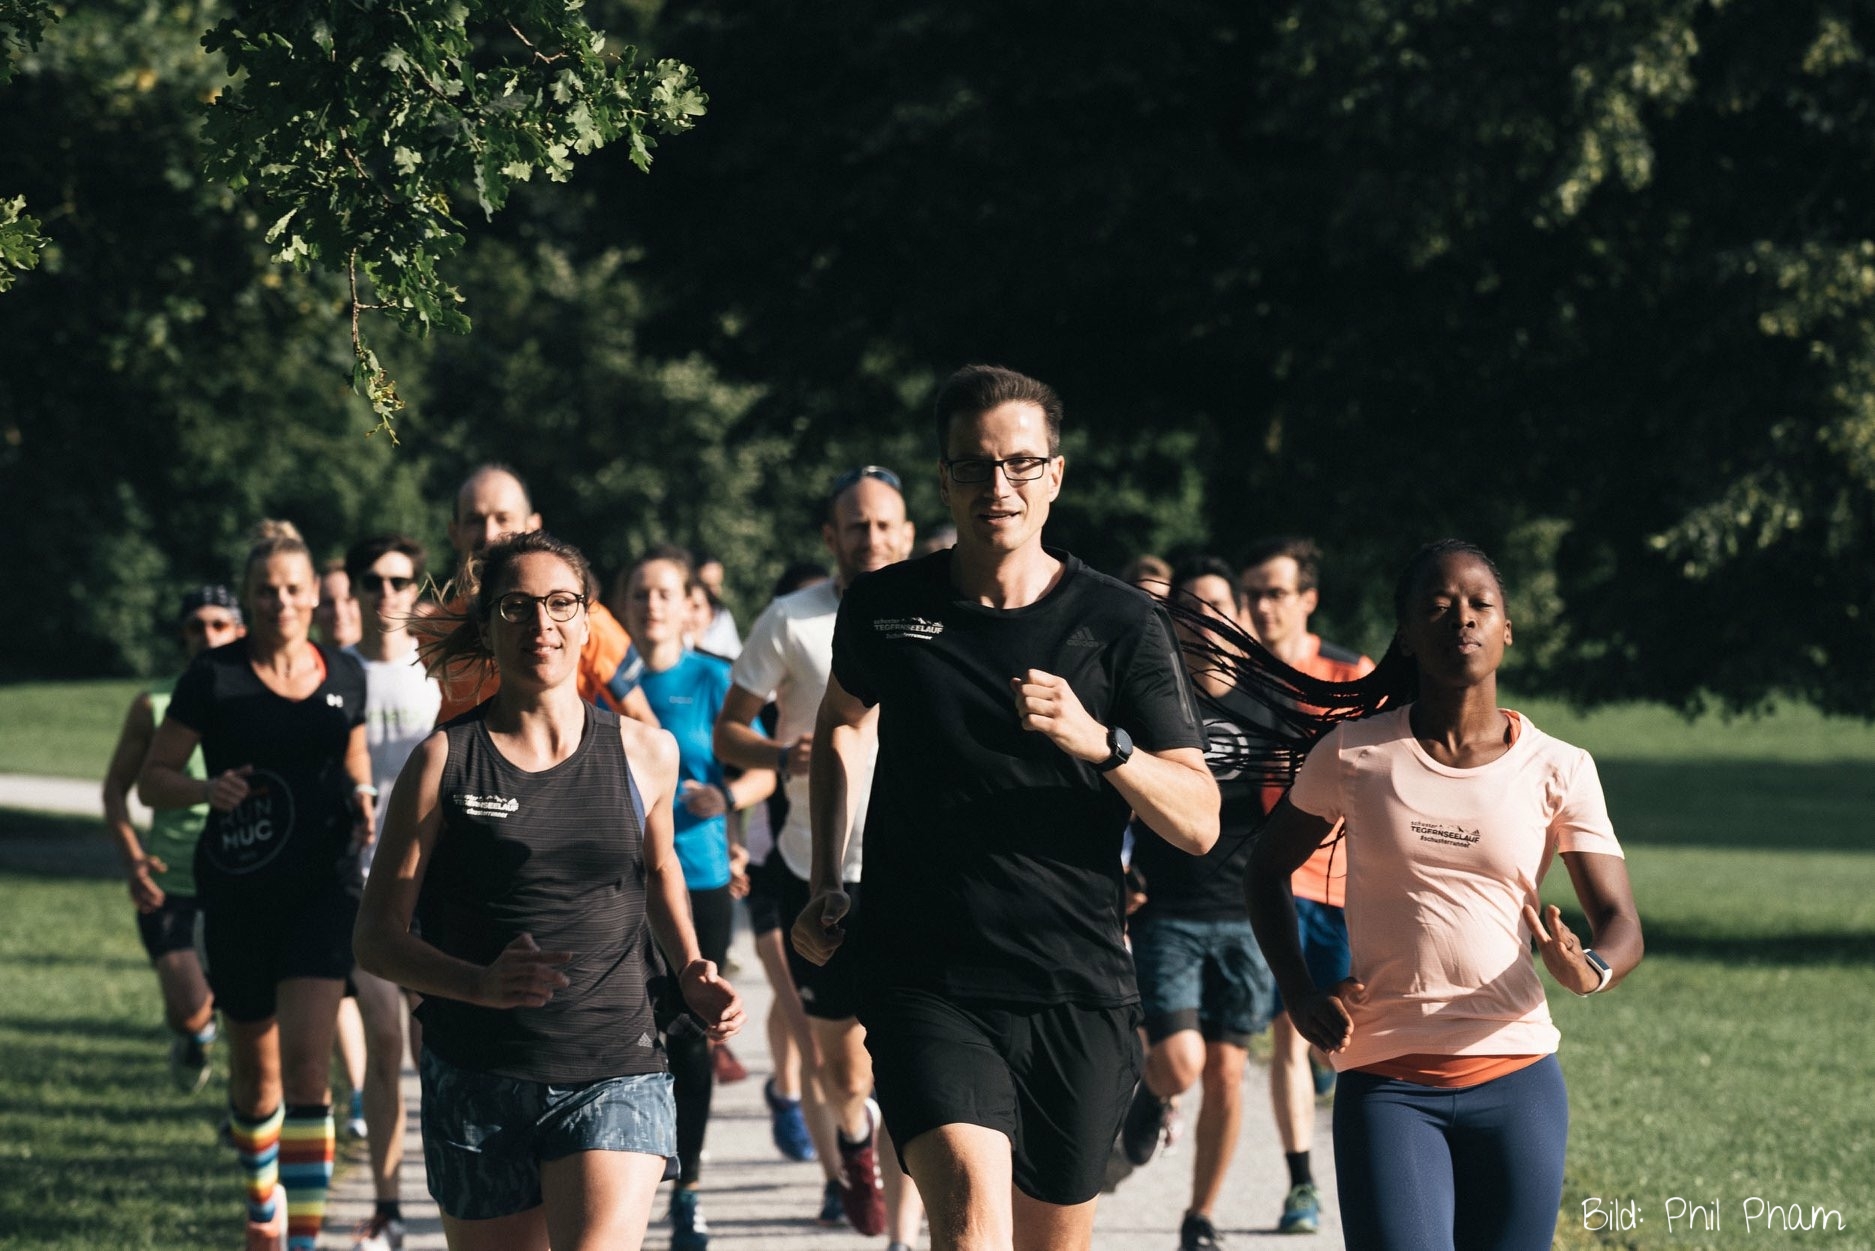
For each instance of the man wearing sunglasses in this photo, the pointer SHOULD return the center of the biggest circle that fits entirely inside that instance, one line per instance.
(492, 502)
(401, 702)
(788, 652)
(162, 869)
(1026, 705)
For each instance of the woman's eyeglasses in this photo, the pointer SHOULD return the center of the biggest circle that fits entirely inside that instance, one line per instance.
(378, 583)
(517, 607)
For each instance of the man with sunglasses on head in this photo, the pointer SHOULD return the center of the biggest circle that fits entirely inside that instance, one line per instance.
(162, 868)
(788, 652)
(1025, 705)
(493, 502)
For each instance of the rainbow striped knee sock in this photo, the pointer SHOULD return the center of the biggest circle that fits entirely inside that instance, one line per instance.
(306, 1172)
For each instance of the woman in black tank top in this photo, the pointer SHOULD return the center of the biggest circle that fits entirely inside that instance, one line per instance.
(530, 840)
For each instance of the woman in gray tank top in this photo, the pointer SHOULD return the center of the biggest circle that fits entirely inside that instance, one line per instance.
(530, 841)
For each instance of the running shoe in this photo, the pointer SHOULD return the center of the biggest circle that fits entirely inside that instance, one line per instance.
(1145, 1121)
(188, 1064)
(788, 1125)
(1198, 1234)
(689, 1231)
(355, 1123)
(725, 1065)
(270, 1235)
(1324, 1075)
(832, 1206)
(863, 1195)
(1302, 1210)
(380, 1233)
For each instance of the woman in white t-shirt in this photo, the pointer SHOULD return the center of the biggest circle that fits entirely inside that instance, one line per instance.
(1451, 1117)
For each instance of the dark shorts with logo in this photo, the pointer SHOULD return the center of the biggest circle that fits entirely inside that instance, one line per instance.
(485, 1136)
(830, 991)
(1055, 1078)
(252, 947)
(169, 929)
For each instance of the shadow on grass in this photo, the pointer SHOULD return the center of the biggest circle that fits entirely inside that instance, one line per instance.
(1742, 804)
(1765, 950)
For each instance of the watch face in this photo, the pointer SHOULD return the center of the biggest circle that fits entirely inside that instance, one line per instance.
(1601, 965)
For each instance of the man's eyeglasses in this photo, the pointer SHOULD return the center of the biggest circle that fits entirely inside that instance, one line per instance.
(1015, 468)
(378, 583)
(517, 607)
(201, 627)
(851, 476)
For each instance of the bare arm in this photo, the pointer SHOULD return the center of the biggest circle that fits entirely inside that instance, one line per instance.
(739, 743)
(638, 708)
(1607, 899)
(358, 769)
(840, 729)
(164, 782)
(653, 754)
(1284, 844)
(1173, 791)
(133, 743)
(521, 976)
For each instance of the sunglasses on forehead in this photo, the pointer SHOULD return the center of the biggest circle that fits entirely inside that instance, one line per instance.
(877, 472)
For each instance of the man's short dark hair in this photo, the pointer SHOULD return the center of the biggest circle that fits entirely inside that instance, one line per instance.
(1296, 547)
(976, 389)
(362, 555)
(1191, 568)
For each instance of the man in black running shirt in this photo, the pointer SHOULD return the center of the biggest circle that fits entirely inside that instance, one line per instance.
(1027, 704)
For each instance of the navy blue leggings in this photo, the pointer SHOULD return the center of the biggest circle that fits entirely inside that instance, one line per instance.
(1422, 1168)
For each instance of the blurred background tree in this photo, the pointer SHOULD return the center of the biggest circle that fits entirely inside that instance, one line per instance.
(1589, 284)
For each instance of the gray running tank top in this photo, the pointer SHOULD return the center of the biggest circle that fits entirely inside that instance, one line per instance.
(558, 854)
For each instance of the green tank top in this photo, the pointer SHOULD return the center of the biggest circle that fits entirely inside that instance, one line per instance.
(175, 831)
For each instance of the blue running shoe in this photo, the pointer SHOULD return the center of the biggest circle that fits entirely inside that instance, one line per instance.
(1302, 1210)
(788, 1125)
(1323, 1075)
(832, 1205)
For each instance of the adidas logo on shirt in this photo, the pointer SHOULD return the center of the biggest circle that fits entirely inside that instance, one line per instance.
(1082, 637)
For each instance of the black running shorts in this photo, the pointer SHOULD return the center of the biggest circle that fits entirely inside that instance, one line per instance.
(1056, 1079)
(830, 991)
(171, 928)
(251, 950)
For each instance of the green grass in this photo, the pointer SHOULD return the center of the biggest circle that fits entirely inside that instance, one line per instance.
(1731, 1064)
(96, 1149)
(65, 729)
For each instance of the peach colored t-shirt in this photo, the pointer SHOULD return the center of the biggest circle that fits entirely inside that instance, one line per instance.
(1441, 862)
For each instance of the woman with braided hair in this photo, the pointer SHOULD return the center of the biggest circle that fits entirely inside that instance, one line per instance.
(1452, 1117)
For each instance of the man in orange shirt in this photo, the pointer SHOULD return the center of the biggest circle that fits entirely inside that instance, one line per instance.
(491, 503)
(1280, 584)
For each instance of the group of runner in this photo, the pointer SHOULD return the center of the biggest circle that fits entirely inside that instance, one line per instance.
(940, 781)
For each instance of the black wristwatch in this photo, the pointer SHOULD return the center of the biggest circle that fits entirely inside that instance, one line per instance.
(1119, 749)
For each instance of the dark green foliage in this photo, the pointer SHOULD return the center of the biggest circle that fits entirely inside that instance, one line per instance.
(1588, 284)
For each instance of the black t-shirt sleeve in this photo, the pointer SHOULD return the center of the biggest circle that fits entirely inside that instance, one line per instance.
(851, 661)
(346, 673)
(192, 704)
(1155, 703)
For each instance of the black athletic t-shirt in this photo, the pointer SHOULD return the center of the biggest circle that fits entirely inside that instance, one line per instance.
(1209, 887)
(294, 830)
(558, 854)
(992, 857)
